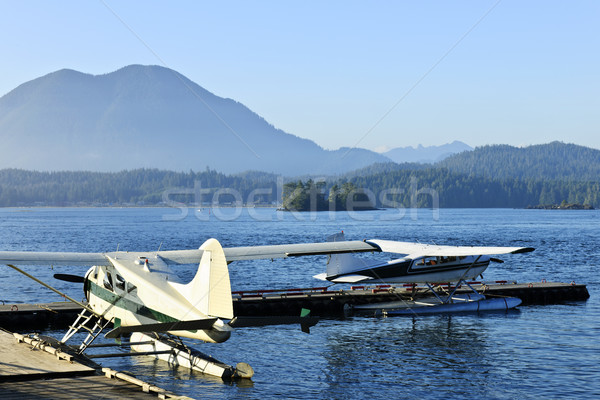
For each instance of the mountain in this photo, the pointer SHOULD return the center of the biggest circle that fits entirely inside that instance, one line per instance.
(149, 117)
(426, 155)
(552, 161)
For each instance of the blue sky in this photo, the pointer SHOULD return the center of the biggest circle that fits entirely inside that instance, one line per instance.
(366, 74)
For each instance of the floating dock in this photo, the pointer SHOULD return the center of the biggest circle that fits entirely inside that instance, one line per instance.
(37, 370)
(321, 301)
(325, 302)
(33, 369)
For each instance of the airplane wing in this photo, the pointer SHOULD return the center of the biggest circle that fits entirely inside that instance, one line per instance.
(162, 327)
(52, 258)
(390, 246)
(270, 252)
(179, 256)
(260, 252)
(188, 256)
(296, 250)
(91, 259)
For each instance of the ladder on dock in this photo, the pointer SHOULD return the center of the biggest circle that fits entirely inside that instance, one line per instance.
(83, 319)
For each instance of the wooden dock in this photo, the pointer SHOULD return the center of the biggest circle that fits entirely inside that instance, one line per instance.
(32, 317)
(31, 369)
(322, 301)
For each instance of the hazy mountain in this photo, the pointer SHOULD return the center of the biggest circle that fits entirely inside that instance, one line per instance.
(149, 117)
(428, 155)
(552, 161)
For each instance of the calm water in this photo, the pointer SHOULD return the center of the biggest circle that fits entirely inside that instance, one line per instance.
(538, 351)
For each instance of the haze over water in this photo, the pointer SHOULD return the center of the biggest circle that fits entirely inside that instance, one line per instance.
(538, 351)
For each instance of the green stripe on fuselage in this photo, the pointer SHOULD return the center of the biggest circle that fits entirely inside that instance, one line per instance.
(128, 304)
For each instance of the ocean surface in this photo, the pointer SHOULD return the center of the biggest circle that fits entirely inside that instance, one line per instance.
(535, 352)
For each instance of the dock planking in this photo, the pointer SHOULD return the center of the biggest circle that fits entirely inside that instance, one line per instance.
(30, 372)
(82, 387)
(19, 361)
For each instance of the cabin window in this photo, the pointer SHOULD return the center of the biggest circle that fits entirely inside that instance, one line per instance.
(431, 261)
(108, 281)
(119, 282)
(445, 259)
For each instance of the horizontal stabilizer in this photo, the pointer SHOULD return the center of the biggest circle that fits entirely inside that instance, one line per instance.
(163, 327)
(351, 278)
(322, 276)
(244, 322)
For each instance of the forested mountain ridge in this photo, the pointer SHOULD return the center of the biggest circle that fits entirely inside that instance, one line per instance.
(441, 187)
(552, 161)
(135, 187)
(428, 187)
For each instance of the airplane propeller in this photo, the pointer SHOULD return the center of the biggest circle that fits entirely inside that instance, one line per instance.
(69, 278)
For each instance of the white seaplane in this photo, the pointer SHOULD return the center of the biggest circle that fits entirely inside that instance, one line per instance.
(426, 264)
(139, 292)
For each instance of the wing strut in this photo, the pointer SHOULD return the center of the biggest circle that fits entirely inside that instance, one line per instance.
(80, 304)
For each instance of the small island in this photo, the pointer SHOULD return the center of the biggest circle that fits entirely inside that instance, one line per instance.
(562, 206)
(311, 196)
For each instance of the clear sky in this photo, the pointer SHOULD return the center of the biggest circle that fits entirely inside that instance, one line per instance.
(343, 73)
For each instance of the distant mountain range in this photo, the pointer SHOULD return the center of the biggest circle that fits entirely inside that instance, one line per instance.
(154, 117)
(150, 117)
(426, 155)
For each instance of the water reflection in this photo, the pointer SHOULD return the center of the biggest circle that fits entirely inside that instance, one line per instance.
(549, 351)
(419, 355)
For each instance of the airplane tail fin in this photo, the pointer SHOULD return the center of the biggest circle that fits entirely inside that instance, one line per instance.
(344, 263)
(210, 290)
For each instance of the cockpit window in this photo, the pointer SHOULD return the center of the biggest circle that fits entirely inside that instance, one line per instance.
(119, 282)
(431, 261)
(130, 287)
(108, 281)
(445, 259)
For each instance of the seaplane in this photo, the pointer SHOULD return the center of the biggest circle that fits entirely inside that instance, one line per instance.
(422, 264)
(139, 293)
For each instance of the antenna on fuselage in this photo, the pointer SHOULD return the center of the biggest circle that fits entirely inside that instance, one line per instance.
(159, 246)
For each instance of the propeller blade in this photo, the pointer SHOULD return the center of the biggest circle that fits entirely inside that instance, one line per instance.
(69, 278)
(496, 260)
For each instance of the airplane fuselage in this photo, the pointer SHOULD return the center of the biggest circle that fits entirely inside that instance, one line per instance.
(139, 290)
(418, 270)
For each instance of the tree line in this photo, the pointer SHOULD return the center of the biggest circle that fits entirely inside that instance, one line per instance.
(424, 187)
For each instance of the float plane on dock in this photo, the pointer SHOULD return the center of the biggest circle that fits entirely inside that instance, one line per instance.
(139, 292)
(425, 264)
